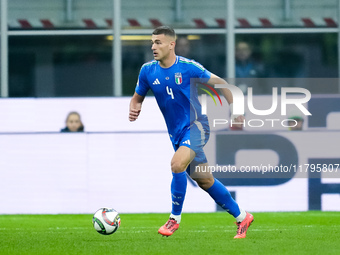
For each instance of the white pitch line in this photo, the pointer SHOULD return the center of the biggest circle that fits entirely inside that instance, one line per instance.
(146, 229)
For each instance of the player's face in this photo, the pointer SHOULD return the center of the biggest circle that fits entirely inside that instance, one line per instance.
(73, 122)
(161, 46)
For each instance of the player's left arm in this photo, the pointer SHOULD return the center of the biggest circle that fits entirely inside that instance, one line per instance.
(214, 79)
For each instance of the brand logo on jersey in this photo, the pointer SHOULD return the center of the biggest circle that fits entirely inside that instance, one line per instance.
(156, 82)
(178, 78)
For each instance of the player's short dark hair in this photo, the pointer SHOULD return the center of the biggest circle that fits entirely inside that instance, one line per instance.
(164, 30)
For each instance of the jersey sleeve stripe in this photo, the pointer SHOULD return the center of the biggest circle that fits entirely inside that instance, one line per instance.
(192, 63)
(149, 63)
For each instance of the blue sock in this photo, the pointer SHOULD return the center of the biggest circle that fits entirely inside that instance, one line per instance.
(178, 190)
(223, 198)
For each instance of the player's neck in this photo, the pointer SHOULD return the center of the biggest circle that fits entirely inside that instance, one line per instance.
(168, 62)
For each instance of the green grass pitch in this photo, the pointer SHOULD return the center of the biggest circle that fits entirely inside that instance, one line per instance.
(200, 233)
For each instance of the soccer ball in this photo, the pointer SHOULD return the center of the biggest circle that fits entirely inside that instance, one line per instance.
(106, 221)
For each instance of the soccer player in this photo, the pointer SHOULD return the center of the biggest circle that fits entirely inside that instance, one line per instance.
(168, 76)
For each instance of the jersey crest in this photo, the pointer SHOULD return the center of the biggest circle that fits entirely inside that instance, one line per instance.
(178, 78)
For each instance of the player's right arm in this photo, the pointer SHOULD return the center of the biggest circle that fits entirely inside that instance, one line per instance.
(139, 95)
(135, 106)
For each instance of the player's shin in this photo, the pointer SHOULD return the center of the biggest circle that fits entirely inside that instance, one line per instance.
(224, 199)
(178, 190)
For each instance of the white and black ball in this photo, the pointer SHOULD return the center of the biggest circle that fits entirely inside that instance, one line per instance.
(106, 221)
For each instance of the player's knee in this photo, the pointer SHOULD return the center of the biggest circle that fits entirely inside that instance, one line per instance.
(204, 183)
(177, 166)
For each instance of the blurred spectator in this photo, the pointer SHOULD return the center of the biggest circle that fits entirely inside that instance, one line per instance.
(73, 123)
(296, 123)
(247, 69)
(246, 66)
(183, 47)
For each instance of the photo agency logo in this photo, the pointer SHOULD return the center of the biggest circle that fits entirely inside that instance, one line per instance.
(301, 96)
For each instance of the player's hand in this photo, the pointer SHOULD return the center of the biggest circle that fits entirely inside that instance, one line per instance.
(133, 115)
(238, 119)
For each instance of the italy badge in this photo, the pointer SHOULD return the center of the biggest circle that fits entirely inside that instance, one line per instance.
(178, 78)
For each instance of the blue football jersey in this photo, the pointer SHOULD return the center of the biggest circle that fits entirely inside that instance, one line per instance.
(172, 90)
